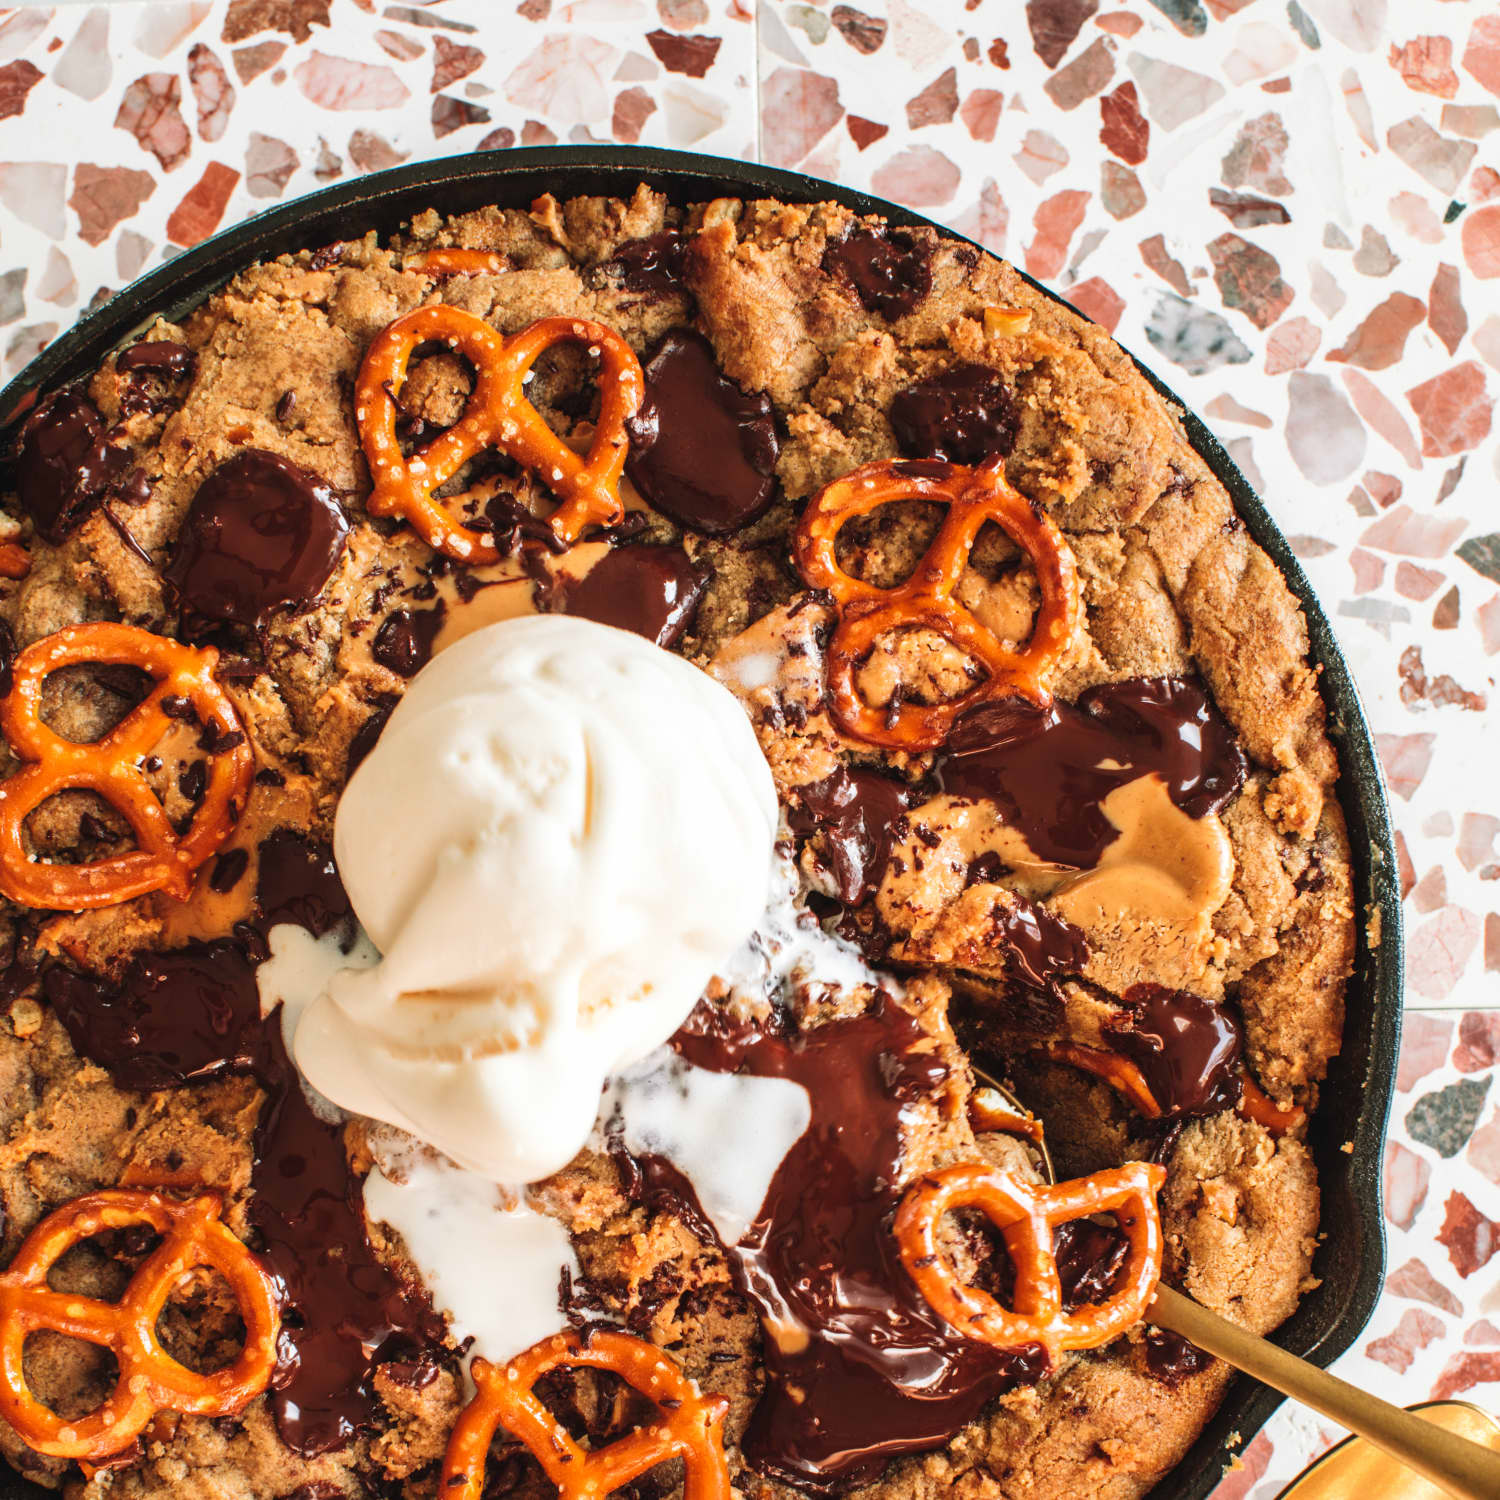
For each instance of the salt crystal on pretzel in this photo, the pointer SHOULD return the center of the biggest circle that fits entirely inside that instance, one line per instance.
(149, 1379)
(499, 415)
(927, 599)
(689, 1425)
(110, 767)
(1026, 1216)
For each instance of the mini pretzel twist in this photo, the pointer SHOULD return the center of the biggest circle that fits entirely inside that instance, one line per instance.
(926, 600)
(1026, 1217)
(690, 1425)
(111, 767)
(150, 1380)
(498, 414)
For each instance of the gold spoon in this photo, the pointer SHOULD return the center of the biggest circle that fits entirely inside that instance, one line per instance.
(1464, 1469)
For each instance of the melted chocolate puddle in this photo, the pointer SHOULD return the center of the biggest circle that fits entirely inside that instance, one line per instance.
(174, 1018)
(261, 534)
(346, 1312)
(701, 450)
(653, 591)
(195, 1012)
(863, 1370)
(1049, 770)
(654, 1182)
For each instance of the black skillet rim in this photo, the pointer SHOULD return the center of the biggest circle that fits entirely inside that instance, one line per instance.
(1349, 1129)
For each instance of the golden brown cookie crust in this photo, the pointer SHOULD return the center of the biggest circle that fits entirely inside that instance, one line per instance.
(1172, 584)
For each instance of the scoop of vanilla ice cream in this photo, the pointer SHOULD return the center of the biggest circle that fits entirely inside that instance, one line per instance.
(561, 833)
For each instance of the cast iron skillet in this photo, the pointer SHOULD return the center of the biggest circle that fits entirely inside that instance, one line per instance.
(1348, 1129)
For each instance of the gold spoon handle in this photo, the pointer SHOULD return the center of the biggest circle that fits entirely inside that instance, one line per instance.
(1464, 1469)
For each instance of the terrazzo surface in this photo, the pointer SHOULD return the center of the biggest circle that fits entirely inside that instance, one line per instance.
(1291, 210)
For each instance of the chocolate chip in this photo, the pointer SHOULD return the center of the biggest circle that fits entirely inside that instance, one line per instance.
(229, 868)
(403, 644)
(328, 255)
(216, 739)
(192, 781)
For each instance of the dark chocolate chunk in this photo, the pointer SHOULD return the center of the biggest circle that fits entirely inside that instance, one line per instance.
(860, 814)
(1089, 1257)
(229, 869)
(653, 265)
(364, 738)
(964, 415)
(891, 273)
(149, 368)
(701, 450)
(1171, 1359)
(403, 644)
(159, 357)
(1188, 1049)
(262, 534)
(1040, 947)
(64, 464)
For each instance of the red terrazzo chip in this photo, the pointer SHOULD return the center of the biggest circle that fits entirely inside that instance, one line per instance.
(1379, 340)
(344, 83)
(198, 215)
(149, 111)
(452, 61)
(1406, 1179)
(1426, 64)
(1467, 1235)
(1416, 1330)
(937, 103)
(1463, 1372)
(17, 79)
(1415, 1281)
(1454, 408)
